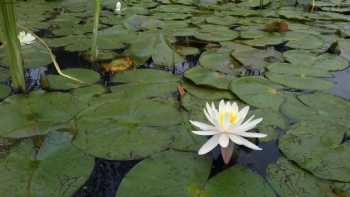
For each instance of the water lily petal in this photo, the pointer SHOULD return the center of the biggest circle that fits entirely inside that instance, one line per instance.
(224, 140)
(248, 125)
(202, 125)
(242, 114)
(221, 106)
(205, 132)
(209, 145)
(241, 141)
(234, 107)
(208, 115)
(250, 134)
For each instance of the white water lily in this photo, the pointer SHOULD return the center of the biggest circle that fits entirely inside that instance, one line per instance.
(227, 124)
(118, 8)
(25, 38)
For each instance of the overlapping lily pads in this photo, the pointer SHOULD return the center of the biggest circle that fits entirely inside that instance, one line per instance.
(37, 113)
(289, 180)
(317, 146)
(57, 169)
(144, 83)
(121, 129)
(258, 92)
(86, 76)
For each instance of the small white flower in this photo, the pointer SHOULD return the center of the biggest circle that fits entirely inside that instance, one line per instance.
(118, 7)
(25, 38)
(227, 124)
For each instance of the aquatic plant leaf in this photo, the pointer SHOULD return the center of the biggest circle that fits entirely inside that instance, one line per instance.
(169, 173)
(289, 180)
(127, 129)
(4, 91)
(258, 92)
(34, 56)
(58, 169)
(301, 40)
(36, 113)
(212, 35)
(163, 55)
(87, 76)
(317, 147)
(273, 120)
(294, 69)
(4, 74)
(256, 58)
(300, 81)
(217, 61)
(329, 107)
(144, 83)
(202, 76)
(237, 181)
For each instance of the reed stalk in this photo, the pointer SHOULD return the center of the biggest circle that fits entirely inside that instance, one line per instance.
(94, 49)
(12, 44)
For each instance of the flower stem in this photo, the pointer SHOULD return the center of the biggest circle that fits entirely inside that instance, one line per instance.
(12, 45)
(94, 50)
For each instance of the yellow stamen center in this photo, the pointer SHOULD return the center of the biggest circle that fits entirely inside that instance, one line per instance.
(227, 117)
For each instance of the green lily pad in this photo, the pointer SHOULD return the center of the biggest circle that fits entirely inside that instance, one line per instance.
(300, 57)
(317, 146)
(36, 113)
(329, 107)
(256, 58)
(87, 76)
(205, 77)
(289, 180)
(212, 35)
(34, 56)
(58, 169)
(163, 55)
(293, 69)
(301, 40)
(217, 61)
(169, 173)
(302, 81)
(4, 74)
(144, 83)
(130, 129)
(273, 120)
(237, 181)
(4, 91)
(258, 92)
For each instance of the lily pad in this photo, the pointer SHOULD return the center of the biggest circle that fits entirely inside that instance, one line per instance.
(317, 146)
(169, 173)
(144, 83)
(273, 121)
(258, 92)
(237, 181)
(300, 81)
(256, 58)
(36, 113)
(205, 77)
(217, 61)
(329, 107)
(289, 180)
(33, 56)
(87, 76)
(301, 40)
(212, 35)
(4, 91)
(58, 169)
(130, 129)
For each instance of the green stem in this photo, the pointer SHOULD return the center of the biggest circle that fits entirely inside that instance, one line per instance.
(12, 45)
(94, 51)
